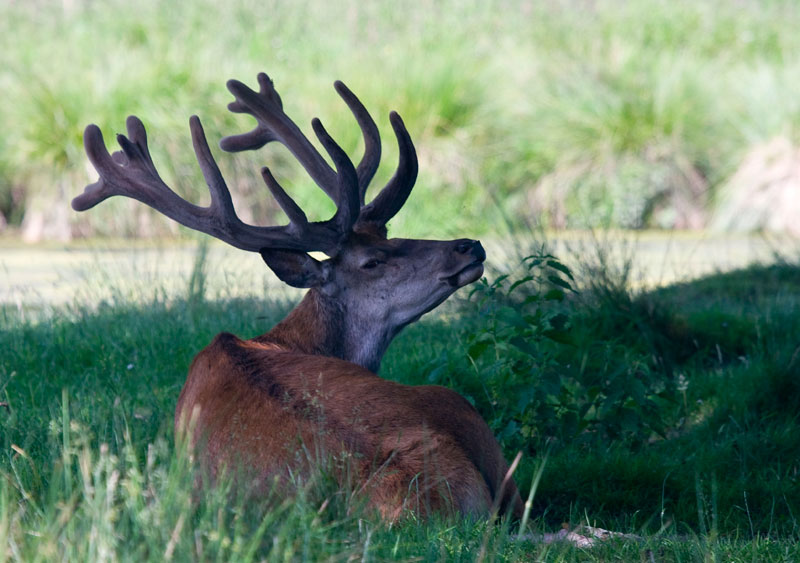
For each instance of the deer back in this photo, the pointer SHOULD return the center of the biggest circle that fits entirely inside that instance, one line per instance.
(273, 410)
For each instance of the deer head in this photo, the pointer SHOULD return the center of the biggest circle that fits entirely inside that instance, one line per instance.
(369, 287)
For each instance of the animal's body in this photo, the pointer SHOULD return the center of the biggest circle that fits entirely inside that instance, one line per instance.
(308, 388)
(268, 408)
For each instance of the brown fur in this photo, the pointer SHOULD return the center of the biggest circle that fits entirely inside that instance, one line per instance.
(412, 448)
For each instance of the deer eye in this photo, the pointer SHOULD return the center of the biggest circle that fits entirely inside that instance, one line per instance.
(371, 264)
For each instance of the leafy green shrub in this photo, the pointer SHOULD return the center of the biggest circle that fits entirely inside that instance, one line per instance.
(521, 376)
(514, 354)
(540, 377)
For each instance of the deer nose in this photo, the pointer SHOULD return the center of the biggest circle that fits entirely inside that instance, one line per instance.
(464, 246)
(473, 247)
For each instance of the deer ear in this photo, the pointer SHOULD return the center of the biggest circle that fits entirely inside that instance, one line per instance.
(295, 267)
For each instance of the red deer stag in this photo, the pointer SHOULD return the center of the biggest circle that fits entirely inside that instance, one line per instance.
(311, 380)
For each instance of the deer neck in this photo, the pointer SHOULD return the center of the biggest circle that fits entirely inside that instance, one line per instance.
(322, 326)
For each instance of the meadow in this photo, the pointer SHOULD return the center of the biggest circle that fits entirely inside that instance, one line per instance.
(670, 413)
(664, 407)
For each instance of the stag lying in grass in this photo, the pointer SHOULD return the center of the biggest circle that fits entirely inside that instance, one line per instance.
(311, 380)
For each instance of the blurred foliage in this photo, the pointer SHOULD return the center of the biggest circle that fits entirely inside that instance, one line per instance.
(566, 114)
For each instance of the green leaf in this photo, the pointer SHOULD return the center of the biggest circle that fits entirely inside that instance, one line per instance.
(554, 295)
(476, 349)
(535, 319)
(555, 280)
(556, 265)
(499, 281)
(560, 336)
(481, 287)
(535, 261)
(525, 345)
(533, 299)
(593, 391)
(519, 282)
(511, 317)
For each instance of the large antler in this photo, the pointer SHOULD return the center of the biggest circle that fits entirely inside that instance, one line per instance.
(132, 173)
(274, 125)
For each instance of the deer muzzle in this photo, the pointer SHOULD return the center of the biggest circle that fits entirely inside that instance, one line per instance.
(470, 263)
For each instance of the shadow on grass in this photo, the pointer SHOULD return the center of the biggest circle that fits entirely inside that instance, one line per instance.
(719, 357)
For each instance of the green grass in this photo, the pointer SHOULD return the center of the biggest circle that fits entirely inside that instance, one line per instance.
(690, 437)
(625, 114)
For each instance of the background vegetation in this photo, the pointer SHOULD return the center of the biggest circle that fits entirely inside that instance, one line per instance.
(570, 113)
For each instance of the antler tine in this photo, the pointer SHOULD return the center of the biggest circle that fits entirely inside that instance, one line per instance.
(120, 171)
(275, 125)
(131, 173)
(324, 235)
(347, 204)
(220, 196)
(261, 135)
(394, 195)
(293, 211)
(372, 140)
(98, 155)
